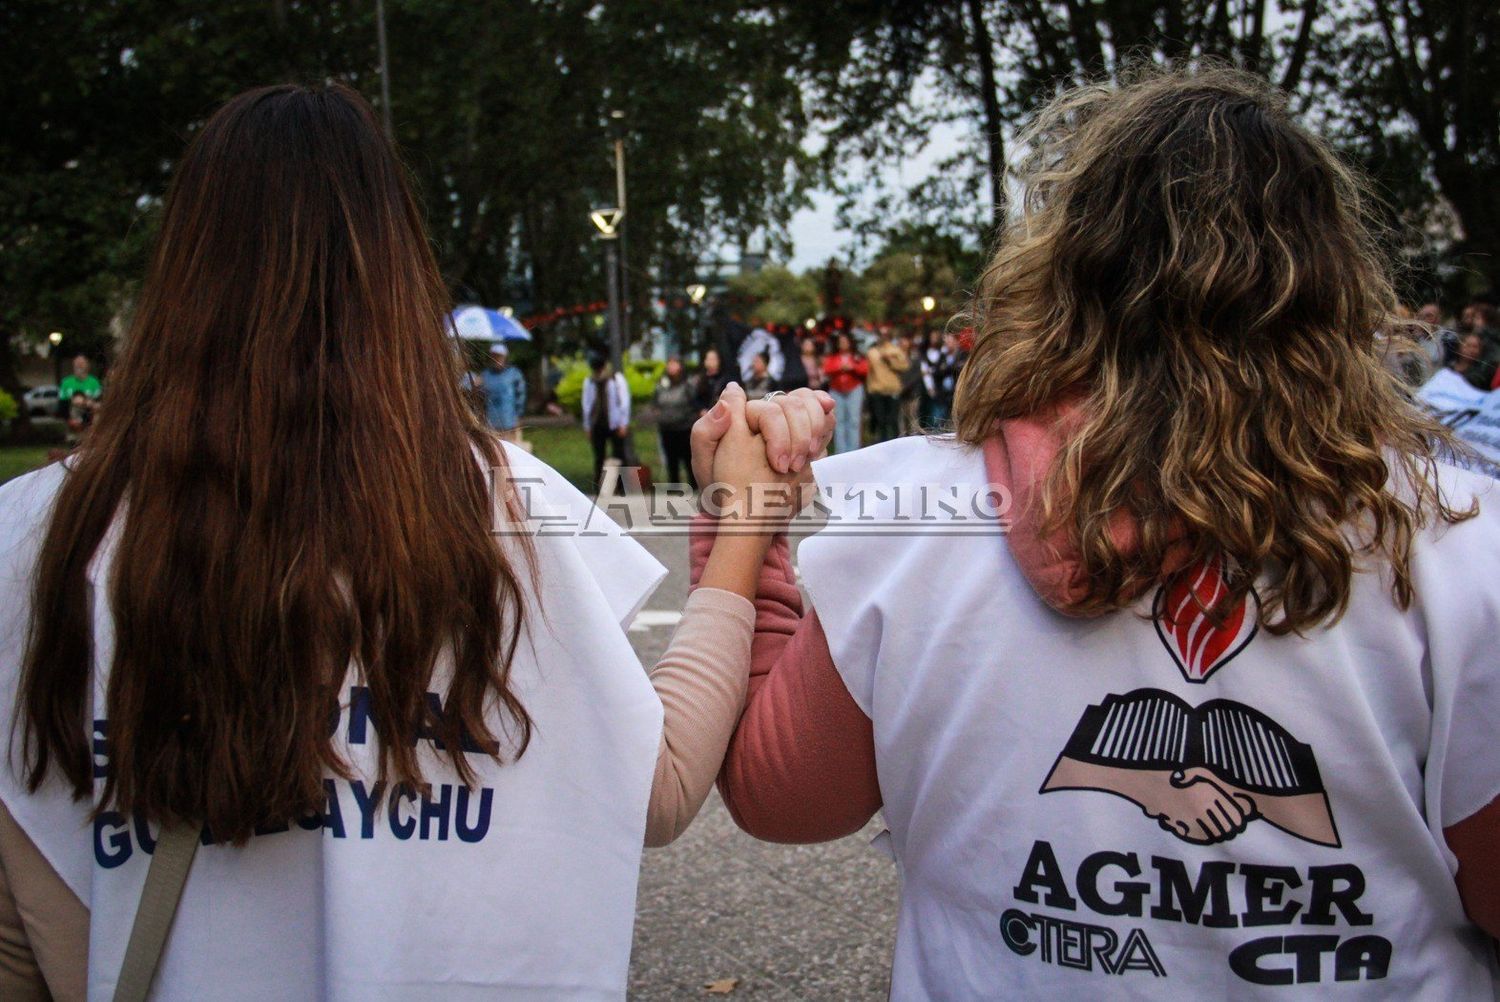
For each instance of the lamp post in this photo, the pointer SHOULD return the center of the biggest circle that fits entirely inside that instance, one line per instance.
(696, 292)
(617, 127)
(55, 340)
(607, 222)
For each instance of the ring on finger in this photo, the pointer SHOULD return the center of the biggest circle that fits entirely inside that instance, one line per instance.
(774, 394)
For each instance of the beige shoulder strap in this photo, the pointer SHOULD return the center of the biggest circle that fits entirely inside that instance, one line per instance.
(175, 848)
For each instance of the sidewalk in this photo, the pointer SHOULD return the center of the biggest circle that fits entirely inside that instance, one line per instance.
(788, 922)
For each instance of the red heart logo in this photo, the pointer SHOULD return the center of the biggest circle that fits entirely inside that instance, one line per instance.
(1200, 647)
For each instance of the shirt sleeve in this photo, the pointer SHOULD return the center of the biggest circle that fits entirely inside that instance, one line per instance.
(624, 391)
(801, 765)
(44, 927)
(701, 683)
(1461, 610)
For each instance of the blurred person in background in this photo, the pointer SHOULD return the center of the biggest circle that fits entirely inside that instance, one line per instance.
(883, 386)
(938, 375)
(80, 382)
(759, 383)
(760, 341)
(793, 375)
(812, 363)
(845, 370)
(676, 411)
(1474, 361)
(1483, 318)
(1435, 339)
(913, 391)
(80, 415)
(504, 389)
(606, 413)
(709, 382)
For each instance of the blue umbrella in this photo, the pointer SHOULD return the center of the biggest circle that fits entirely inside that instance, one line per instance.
(475, 323)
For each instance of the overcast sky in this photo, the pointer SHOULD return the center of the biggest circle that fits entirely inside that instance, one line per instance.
(815, 233)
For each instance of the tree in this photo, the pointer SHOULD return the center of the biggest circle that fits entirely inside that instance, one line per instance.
(1422, 95)
(895, 286)
(510, 137)
(98, 97)
(501, 110)
(776, 295)
(885, 70)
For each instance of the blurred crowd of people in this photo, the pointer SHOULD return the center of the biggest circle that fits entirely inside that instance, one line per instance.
(1469, 344)
(896, 384)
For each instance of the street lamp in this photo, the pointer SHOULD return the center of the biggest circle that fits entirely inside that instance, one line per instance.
(928, 304)
(607, 222)
(55, 339)
(617, 129)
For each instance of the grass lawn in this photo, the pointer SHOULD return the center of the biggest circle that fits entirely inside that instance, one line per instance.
(567, 451)
(564, 449)
(18, 459)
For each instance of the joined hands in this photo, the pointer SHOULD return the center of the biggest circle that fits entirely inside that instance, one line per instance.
(753, 457)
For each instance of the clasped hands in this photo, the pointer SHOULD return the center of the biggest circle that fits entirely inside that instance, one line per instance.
(753, 458)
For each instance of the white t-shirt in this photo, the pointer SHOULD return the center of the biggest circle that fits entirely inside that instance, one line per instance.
(1143, 805)
(523, 888)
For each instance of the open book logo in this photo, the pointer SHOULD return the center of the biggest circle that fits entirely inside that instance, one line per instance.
(1204, 773)
(1181, 612)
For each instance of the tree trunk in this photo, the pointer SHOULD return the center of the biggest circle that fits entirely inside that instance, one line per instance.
(984, 48)
(1294, 66)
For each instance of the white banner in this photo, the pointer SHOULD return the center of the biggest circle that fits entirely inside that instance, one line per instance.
(1473, 414)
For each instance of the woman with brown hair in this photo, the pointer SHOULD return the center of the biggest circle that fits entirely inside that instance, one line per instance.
(1210, 705)
(293, 602)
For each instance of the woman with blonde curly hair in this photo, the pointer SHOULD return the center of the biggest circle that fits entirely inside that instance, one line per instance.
(1215, 711)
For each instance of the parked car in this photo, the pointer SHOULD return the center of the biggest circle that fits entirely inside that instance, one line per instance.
(41, 401)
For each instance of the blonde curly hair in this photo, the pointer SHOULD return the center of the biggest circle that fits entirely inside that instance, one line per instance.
(1202, 271)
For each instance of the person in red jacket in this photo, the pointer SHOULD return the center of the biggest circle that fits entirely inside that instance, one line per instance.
(846, 370)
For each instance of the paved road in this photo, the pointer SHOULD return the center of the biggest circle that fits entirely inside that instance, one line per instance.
(789, 922)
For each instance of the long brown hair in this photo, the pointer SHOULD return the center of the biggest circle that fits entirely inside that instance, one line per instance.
(1201, 270)
(296, 484)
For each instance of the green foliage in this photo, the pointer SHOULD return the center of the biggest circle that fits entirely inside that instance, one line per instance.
(503, 112)
(894, 286)
(8, 407)
(1406, 86)
(641, 375)
(507, 129)
(775, 295)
